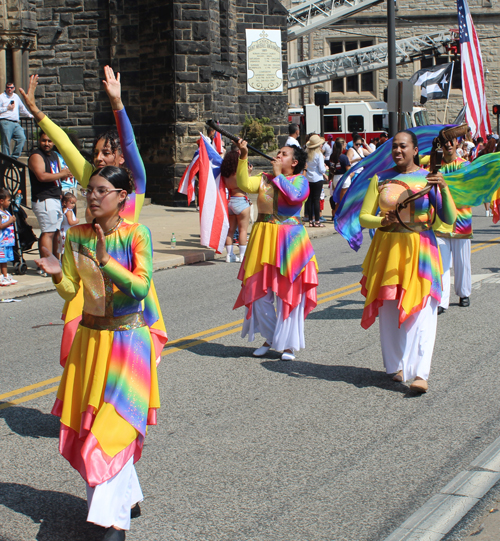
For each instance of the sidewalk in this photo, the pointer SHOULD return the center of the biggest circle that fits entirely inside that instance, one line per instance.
(162, 221)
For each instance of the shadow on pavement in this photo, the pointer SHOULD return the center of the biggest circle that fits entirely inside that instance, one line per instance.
(353, 375)
(344, 270)
(61, 516)
(30, 422)
(338, 312)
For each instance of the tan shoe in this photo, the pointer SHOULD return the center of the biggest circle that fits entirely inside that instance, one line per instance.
(419, 386)
(398, 376)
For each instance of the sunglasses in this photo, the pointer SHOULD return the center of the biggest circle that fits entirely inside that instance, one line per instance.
(9, 87)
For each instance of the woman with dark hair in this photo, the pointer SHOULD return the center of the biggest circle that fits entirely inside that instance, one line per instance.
(109, 149)
(402, 269)
(238, 207)
(339, 165)
(358, 150)
(280, 259)
(109, 388)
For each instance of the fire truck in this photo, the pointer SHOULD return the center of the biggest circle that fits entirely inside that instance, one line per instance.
(369, 119)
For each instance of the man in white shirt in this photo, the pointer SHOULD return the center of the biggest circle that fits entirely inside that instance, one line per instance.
(10, 107)
(294, 134)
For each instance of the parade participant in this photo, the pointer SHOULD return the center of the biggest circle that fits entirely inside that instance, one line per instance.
(238, 207)
(109, 389)
(455, 240)
(279, 259)
(69, 220)
(315, 175)
(111, 148)
(402, 271)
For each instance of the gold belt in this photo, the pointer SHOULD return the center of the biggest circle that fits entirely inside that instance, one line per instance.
(413, 228)
(120, 323)
(278, 218)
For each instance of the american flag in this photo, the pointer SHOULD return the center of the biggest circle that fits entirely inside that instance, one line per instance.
(476, 114)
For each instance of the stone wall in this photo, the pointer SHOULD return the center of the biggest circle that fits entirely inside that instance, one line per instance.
(181, 64)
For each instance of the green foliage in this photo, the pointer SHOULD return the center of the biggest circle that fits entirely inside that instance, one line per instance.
(259, 133)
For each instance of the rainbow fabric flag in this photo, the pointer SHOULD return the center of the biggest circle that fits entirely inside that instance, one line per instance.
(469, 186)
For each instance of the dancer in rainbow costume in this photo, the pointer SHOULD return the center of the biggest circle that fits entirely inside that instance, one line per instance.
(279, 258)
(469, 186)
(114, 334)
(402, 269)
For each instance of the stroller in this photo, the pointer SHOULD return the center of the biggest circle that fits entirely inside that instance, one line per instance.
(24, 238)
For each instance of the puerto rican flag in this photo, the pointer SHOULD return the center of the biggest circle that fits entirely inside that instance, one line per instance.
(218, 142)
(214, 220)
(188, 180)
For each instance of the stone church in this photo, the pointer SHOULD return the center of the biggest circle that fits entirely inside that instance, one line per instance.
(181, 63)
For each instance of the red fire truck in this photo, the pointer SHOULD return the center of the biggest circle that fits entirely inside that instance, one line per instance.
(369, 119)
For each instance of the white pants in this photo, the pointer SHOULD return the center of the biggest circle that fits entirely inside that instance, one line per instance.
(408, 348)
(460, 250)
(110, 502)
(269, 323)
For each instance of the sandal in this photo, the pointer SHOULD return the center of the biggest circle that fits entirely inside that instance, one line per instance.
(318, 224)
(311, 224)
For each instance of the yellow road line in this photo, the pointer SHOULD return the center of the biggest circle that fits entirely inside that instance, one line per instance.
(355, 290)
(484, 245)
(27, 398)
(325, 297)
(29, 387)
(197, 342)
(196, 335)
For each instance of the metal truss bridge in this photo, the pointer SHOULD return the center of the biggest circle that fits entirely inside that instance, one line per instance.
(313, 15)
(371, 58)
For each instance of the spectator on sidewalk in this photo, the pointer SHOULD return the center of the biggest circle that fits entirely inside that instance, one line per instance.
(10, 107)
(45, 178)
(293, 135)
(7, 239)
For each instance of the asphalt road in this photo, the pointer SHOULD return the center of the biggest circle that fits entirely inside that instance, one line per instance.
(323, 448)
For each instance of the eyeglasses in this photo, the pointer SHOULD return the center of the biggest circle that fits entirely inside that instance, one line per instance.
(99, 192)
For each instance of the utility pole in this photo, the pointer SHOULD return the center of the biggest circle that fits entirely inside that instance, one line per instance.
(391, 49)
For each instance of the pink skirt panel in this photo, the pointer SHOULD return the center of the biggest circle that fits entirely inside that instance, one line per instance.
(257, 286)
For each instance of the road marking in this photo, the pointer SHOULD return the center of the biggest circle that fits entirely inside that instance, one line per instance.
(484, 245)
(29, 387)
(325, 297)
(27, 398)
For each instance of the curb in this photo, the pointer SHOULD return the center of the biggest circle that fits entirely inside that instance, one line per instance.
(195, 256)
(444, 510)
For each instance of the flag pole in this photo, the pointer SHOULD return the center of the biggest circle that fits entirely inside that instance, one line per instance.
(445, 111)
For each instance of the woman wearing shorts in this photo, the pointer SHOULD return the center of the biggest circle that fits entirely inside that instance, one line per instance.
(238, 207)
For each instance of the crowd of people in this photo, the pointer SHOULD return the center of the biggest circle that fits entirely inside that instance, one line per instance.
(114, 331)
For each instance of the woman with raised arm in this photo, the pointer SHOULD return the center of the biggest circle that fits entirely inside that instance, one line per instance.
(109, 388)
(117, 148)
(402, 270)
(279, 259)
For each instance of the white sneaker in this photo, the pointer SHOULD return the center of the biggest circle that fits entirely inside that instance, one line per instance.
(4, 281)
(287, 356)
(487, 213)
(232, 258)
(12, 281)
